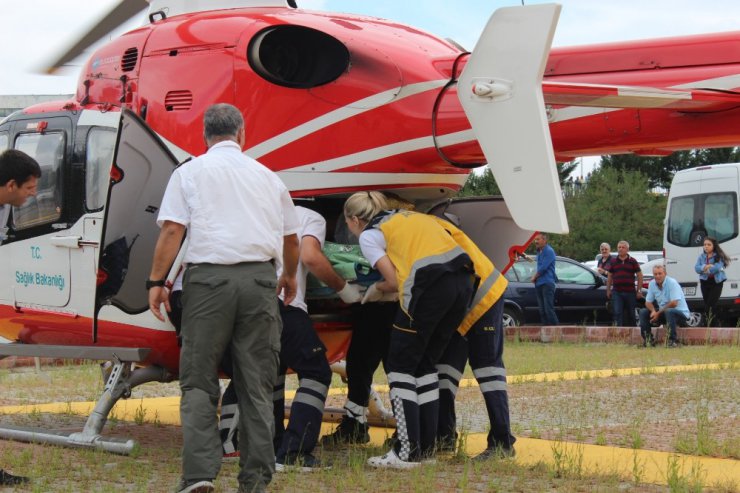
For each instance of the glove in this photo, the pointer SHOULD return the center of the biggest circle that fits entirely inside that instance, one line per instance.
(372, 294)
(350, 293)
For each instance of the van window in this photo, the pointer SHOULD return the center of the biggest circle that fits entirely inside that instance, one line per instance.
(693, 217)
(100, 145)
(46, 206)
(3, 141)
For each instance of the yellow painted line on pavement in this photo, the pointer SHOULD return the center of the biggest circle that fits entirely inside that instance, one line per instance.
(615, 372)
(164, 410)
(572, 375)
(125, 408)
(651, 466)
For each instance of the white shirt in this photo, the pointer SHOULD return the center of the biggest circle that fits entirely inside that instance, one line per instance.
(373, 245)
(4, 215)
(235, 209)
(312, 224)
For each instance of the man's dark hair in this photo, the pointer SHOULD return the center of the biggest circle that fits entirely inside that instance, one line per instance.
(19, 166)
(222, 120)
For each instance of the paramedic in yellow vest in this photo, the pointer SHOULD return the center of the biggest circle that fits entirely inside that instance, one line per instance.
(481, 338)
(434, 279)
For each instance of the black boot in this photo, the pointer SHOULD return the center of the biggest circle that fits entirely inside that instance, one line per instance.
(7, 479)
(349, 431)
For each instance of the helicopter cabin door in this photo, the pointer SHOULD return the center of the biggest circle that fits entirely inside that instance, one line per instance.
(142, 166)
(39, 266)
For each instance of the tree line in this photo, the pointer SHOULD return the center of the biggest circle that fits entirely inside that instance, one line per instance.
(618, 201)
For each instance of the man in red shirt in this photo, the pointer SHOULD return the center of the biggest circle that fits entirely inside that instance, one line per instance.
(621, 287)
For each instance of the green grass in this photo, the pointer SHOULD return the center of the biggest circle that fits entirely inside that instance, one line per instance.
(525, 358)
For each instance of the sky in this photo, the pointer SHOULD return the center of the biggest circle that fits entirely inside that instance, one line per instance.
(33, 31)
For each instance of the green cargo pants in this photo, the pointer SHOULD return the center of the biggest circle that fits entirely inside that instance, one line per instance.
(223, 305)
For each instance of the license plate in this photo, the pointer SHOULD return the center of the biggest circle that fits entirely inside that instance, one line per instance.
(689, 291)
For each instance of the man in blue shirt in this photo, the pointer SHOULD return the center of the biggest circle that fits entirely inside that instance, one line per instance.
(544, 280)
(673, 310)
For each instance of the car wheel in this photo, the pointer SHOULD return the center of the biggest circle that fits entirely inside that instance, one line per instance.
(512, 317)
(694, 320)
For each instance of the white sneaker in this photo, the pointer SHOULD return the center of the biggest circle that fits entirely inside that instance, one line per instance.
(392, 461)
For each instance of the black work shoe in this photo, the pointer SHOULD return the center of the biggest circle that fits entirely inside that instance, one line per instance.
(495, 453)
(7, 479)
(300, 463)
(672, 344)
(349, 431)
(195, 486)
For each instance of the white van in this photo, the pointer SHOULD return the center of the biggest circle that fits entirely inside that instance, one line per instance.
(703, 202)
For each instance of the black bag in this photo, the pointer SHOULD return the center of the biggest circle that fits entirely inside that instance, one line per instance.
(114, 262)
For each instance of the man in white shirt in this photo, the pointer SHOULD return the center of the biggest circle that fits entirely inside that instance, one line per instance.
(303, 352)
(240, 221)
(19, 174)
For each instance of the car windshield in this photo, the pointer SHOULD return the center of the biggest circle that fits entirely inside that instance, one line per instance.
(572, 273)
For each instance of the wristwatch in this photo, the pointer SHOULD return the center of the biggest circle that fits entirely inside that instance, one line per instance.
(151, 284)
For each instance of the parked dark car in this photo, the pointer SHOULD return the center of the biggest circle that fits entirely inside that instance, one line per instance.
(580, 295)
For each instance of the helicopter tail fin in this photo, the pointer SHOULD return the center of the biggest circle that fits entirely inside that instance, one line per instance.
(500, 90)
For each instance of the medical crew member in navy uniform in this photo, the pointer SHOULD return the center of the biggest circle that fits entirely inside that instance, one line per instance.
(481, 338)
(434, 279)
(301, 350)
(19, 174)
(229, 294)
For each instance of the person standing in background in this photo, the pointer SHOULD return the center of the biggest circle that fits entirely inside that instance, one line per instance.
(711, 269)
(545, 280)
(605, 261)
(621, 287)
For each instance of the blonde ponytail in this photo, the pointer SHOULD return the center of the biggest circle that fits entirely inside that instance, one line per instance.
(365, 205)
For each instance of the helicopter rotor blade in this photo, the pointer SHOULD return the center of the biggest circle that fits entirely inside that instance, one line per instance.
(122, 12)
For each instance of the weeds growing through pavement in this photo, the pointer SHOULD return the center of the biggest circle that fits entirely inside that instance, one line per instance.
(140, 414)
(567, 460)
(600, 438)
(678, 482)
(634, 434)
(638, 468)
(462, 444)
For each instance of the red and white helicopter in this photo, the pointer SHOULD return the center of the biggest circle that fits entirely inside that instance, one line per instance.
(334, 103)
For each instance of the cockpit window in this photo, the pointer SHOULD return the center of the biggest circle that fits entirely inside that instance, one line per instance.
(46, 206)
(297, 56)
(100, 145)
